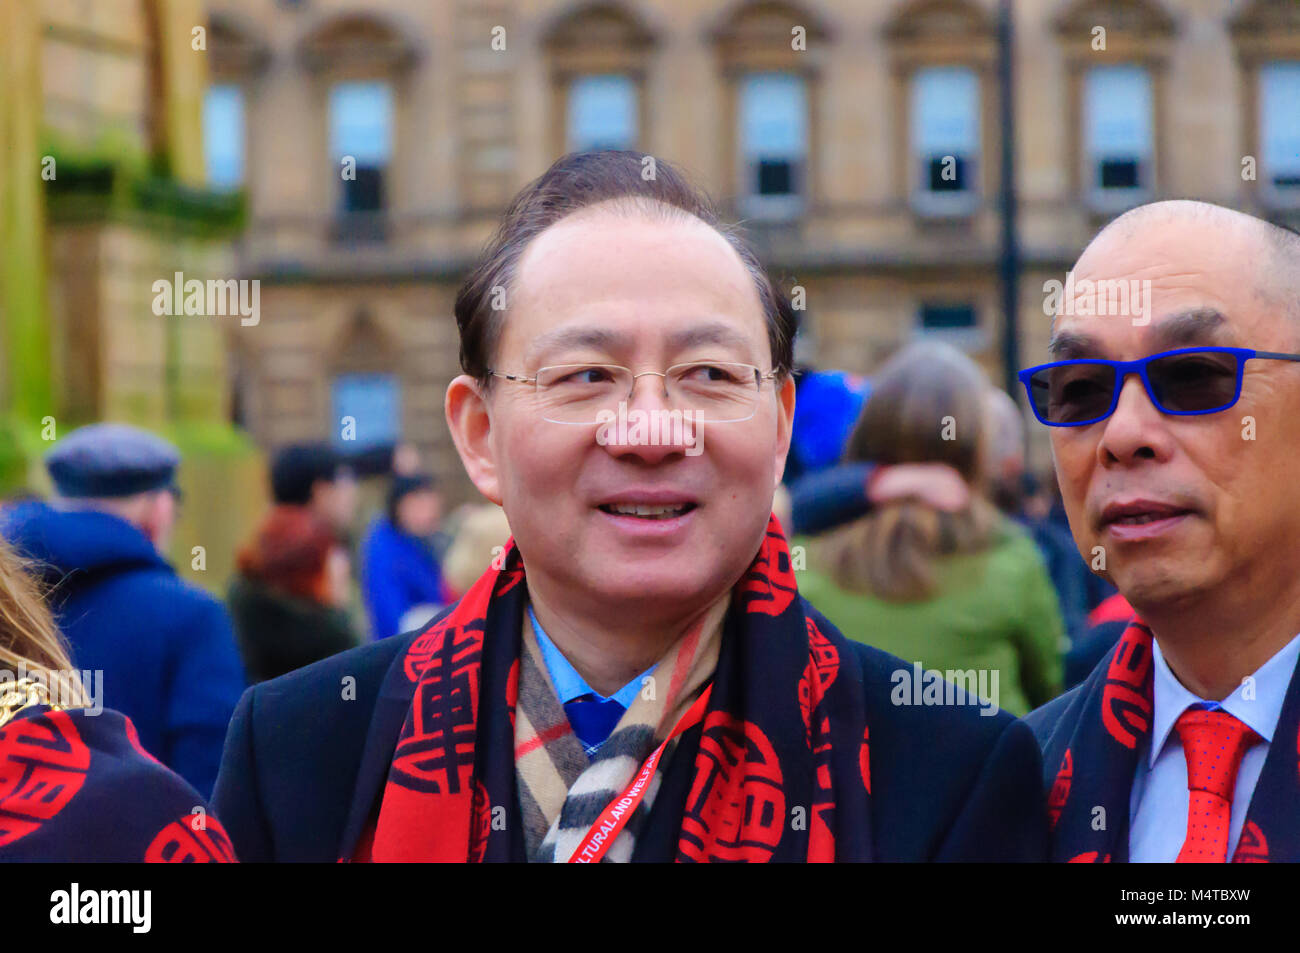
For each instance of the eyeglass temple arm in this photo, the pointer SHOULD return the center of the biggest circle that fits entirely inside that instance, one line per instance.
(1277, 355)
(771, 375)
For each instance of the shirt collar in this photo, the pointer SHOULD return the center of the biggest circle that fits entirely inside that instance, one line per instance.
(1260, 712)
(568, 683)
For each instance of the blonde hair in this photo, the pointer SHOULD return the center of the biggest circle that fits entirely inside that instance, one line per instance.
(482, 527)
(30, 643)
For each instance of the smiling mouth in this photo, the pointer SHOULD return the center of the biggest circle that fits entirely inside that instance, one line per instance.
(1139, 519)
(645, 511)
(1135, 515)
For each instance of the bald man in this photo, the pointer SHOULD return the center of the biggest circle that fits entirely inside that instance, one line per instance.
(1175, 432)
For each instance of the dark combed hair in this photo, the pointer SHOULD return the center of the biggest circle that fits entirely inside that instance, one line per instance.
(296, 468)
(575, 182)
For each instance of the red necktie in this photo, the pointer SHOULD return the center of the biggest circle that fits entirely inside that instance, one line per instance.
(1213, 743)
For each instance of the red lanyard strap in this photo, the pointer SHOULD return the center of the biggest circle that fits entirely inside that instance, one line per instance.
(614, 818)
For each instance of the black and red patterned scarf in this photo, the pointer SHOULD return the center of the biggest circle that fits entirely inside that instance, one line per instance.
(1097, 760)
(777, 770)
(76, 785)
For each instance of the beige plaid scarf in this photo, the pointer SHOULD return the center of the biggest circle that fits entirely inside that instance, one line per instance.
(561, 790)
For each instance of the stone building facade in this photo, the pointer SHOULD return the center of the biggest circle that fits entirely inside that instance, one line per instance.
(859, 139)
(102, 194)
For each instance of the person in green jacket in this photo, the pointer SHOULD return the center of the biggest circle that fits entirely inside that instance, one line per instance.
(958, 592)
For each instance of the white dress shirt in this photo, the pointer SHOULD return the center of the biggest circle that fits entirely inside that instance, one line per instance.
(1158, 802)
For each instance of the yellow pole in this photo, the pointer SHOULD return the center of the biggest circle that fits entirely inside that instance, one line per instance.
(185, 77)
(28, 393)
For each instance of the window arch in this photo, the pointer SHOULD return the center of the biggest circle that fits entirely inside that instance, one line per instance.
(360, 63)
(599, 55)
(234, 49)
(770, 55)
(917, 25)
(236, 58)
(1267, 38)
(358, 45)
(1116, 93)
(943, 57)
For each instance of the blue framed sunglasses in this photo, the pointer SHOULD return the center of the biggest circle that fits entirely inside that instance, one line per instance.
(1184, 382)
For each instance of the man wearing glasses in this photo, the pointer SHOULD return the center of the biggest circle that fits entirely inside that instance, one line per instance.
(1174, 437)
(635, 676)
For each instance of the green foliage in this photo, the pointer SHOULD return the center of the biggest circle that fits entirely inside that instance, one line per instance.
(198, 211)
(112, 179)
(21, 450)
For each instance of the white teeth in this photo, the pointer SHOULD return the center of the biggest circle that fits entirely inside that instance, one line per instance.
(1141, 518)
(636, 509)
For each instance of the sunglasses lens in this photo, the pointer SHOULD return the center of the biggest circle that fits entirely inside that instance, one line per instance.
(1072, 393)
(1196, 382)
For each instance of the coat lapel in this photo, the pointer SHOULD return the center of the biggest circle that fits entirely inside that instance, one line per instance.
(385, 725)
(1270, 831)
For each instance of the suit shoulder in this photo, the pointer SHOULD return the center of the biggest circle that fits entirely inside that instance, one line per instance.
(887, 676)
(1044, 720)
(324, 681)
(933, 762)
(293, 753)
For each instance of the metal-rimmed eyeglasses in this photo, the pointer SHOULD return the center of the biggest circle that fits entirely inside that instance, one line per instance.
(714, 391)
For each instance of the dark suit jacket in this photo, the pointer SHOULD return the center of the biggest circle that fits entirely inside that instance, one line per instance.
(307, 755)
(1061, 714)
(1088, 651)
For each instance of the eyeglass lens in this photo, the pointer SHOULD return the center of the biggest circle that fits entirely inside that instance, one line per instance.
(1198, 382)
(717, 392)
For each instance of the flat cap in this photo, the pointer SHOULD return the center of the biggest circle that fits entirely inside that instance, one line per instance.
(111, 460)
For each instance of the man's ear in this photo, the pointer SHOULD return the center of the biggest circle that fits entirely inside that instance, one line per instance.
(784, 423)
(471, 431)
(157, 515)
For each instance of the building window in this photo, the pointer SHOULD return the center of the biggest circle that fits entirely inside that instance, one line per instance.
(373, 402)
(602, 113)
(945, 138)
(947, 317)
(1118, 149)
(361, 124)
(773, 143)
(1279, 125)
(223, 136)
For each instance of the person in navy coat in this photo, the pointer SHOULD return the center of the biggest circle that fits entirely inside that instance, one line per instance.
(164, 647)
(634, 677)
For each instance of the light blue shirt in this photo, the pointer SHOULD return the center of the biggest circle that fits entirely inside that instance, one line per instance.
(569, 684)
(1158, 802)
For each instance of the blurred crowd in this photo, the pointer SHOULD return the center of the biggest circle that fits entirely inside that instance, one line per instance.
(174, 659)
(924, 531)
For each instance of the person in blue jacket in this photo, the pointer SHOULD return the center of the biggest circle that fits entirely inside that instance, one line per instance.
(829, 403)
(401, 579)
(165, 648)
